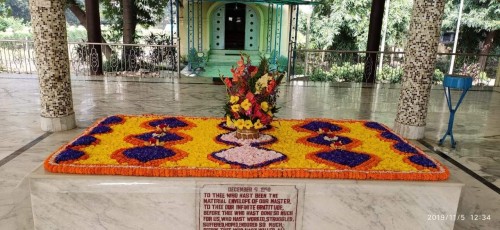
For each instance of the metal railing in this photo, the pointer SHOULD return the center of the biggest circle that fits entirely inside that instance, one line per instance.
(348, 66)
(18, 56)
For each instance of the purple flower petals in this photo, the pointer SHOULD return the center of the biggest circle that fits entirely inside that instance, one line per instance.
(68, 154)
(165, 138)
(316, 125)
(405, 147)
(100, 130)
(320, 140)
(111, 120)
(171, 122)
(344, 157)
(84, 140)
(422, 160)
(390, 135)
(375, 125)
(148, 153)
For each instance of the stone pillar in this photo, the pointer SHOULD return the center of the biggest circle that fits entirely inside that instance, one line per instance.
(52, 62)
(419, 64)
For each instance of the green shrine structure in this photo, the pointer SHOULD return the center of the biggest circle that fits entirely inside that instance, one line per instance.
(214, 33)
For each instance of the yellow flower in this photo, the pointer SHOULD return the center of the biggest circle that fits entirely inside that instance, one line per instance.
(269, 113)
(258, 125)
(229, 122)
(240, 123)
(264, 105)
(235, 108)
(246, 105)
(262, 83)
(234, 99)
(248, 124)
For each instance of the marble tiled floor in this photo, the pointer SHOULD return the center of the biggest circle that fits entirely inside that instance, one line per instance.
(477, 127)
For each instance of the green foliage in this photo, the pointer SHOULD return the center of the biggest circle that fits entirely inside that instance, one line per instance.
(299, 70)
(76, 33)
(438, 76)
(113, 64)
(478, 14)
(10, 23)
(23, 34)
(149, 12)
(390, 74)
(347, 72)
(343, 24)
(19, 9)
(319, 75)
(478, 18)
(263, 66)
(4, 9)
(159, 53)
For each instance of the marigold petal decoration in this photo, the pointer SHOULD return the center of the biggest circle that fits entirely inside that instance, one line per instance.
(229, 122)
(207, 147)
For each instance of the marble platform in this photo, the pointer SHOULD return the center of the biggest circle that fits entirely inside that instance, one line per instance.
(119, 202)
(476, 128)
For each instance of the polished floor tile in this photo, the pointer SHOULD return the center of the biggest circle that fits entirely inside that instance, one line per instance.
(477, 124)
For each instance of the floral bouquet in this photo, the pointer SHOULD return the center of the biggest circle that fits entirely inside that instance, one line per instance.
(252, 97)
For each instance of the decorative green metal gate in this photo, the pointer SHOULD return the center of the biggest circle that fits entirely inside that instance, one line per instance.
(252, 29)
(218, 28)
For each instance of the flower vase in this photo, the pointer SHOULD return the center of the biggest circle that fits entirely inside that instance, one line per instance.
(247, 134)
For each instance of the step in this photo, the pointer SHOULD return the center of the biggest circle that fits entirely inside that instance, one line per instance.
(235, 52)
(229, 59)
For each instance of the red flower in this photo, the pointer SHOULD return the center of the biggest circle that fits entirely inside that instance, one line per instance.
(256, 107)
(252, 70)
(241, 62)
(228, 82)
(259, 114)
(271, 86)
(235, 115)
(330, 134)
(265, 120)
(242, 89)
(251, 97)
(236, 77)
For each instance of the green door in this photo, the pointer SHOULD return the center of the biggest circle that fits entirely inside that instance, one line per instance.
(252, 24)
(218, 28)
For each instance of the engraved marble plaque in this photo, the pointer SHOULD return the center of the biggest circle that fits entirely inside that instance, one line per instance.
(247, 207)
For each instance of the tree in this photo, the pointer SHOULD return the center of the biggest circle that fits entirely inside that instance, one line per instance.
(19, 9)
(125, 15)
(343, 24)
(76, 7)
(4, 9)
(339, 24)
(480, 25)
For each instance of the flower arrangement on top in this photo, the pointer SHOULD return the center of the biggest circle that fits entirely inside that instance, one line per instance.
(252, 97)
